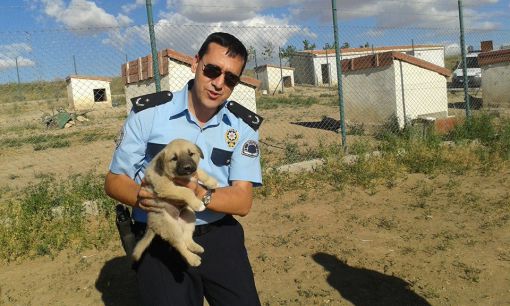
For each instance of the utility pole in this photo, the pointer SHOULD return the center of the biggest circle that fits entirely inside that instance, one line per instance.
(464, 63)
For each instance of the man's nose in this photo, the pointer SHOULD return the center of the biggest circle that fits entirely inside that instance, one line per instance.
(219, 81)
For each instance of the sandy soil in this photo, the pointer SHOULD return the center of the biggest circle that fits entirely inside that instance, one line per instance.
(440, 240)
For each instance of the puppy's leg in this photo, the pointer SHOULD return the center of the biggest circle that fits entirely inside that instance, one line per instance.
(168, 190)
(187, 221)
(142, 245)
(206, 179)
(171, 231)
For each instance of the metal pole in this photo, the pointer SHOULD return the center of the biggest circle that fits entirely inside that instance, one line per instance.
(74, 63)
(19, 81)
(281, 69)
(255, 56)
(464, 63)
(339, 77)
(155, 64)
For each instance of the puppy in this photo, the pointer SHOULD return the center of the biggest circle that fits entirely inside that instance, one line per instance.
(175, 223)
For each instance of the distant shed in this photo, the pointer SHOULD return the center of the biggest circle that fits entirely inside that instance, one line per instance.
(175, 72)
(392, 84)
(495, 77)
(88, 92)
(272, 77)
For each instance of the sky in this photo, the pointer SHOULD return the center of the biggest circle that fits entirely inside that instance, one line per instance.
(50, 39)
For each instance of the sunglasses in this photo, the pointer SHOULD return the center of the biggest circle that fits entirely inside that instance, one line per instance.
(212, 71)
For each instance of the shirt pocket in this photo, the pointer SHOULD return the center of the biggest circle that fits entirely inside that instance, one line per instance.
(221, 157)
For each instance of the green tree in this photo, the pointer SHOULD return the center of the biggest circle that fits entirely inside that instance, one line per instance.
(345, 45)
(308, 45)
(268, 50)
(328, 46)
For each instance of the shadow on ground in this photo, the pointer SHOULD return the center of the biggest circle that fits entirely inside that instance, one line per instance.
(474, 102)
(117, 283)
(367, 287)
(328, 124)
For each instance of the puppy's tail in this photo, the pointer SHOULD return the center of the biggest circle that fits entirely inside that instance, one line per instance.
(143, 244)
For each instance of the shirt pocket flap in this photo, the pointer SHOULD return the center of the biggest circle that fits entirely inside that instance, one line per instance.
(221, 157)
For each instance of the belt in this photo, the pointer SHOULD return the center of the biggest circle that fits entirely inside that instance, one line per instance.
(139, 227)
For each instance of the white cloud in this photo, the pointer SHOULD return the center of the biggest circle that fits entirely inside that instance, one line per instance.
(452, 49)
(82, 14)
(178, 32)
(11, 53)
(127, 8)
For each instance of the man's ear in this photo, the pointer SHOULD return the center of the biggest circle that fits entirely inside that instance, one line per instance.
(160, 164)
(194, 64)
(200, 152)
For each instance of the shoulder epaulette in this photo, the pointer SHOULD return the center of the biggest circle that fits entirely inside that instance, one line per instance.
(147, 101)
(249, 117)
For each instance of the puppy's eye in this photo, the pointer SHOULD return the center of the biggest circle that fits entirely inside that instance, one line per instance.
(191, 153)
(174, 158)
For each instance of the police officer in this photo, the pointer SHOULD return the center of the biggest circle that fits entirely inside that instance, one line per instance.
(227, 134)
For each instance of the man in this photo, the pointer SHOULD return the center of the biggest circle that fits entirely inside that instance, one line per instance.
(227, 134)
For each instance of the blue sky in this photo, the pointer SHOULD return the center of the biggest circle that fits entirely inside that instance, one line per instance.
(43, 36)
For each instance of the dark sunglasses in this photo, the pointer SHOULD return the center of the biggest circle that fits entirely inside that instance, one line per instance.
(212, 71)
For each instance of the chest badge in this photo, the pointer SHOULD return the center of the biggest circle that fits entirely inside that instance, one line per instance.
(231, 136)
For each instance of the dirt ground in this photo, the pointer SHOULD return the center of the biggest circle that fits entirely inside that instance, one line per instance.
(440, 240)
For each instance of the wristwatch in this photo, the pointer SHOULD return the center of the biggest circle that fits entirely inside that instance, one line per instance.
(206, 199)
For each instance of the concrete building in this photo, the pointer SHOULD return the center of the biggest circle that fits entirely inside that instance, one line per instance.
(318, 67)
(175, 72)
(495, 78)
(88, 92)
(392, 84)
(272, 78)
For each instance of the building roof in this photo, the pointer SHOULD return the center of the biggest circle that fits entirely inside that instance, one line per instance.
(386, 59)
(494, 57)
(261, 67)
(143, 67)
(375, 49)
(88, 77)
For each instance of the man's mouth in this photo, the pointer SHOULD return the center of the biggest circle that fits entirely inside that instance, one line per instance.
(213, 95)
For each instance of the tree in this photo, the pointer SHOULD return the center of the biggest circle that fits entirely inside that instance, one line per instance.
(366, 45)
(308, 45)
(328, 46)
(288, 51)
(251, 53)
(268, 50)
(345, 45)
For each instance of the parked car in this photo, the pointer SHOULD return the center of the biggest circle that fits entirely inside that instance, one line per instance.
(474, 72)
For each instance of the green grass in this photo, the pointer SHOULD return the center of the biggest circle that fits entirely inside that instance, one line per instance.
(265, 102)
(482, 145)
(49, 216)
(45, 141)
(45, 90)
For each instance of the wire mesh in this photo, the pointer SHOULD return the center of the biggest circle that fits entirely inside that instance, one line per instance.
(65, 92)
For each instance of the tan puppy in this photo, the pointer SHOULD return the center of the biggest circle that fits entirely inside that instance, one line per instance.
(175, 223)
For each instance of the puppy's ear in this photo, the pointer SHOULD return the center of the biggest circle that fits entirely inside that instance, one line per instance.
(200, 152)
(160, 164)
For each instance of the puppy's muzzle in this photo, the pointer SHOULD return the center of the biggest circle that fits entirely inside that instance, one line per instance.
(186, 167)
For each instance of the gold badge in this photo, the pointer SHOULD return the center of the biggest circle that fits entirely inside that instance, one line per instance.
(231, 136)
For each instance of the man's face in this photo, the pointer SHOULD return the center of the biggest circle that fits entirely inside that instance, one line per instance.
(213, 91)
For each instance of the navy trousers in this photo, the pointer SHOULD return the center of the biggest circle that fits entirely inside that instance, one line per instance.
(224, 278)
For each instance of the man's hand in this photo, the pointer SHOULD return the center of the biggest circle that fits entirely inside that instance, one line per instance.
(192, 184)
(146, 200)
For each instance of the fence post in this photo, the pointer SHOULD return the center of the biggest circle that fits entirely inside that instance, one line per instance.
(154, 49)
(464, 63)
(339, 78)
(281, 69)
(19, 80)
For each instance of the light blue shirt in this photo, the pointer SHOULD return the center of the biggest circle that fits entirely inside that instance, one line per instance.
(230, 146)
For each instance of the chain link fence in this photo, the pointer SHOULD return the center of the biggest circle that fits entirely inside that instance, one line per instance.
(64, 93)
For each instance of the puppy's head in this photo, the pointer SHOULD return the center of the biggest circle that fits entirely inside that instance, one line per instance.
(179, 158)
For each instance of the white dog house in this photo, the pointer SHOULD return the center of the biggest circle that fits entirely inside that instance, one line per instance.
(88, 92)
(318, 67)
(377, 87)
(273, 77)
(495, 77)
(175, 72)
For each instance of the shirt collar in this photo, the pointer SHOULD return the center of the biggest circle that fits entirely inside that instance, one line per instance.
(181, 108)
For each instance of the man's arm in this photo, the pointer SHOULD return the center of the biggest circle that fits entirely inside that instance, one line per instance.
(122, 188)
(235, 200)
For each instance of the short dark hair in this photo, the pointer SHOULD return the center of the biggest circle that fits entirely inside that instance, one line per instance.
(234, 46)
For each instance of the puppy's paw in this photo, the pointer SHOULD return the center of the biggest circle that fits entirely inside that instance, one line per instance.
(196, 205)
(194, 260)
